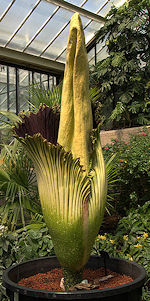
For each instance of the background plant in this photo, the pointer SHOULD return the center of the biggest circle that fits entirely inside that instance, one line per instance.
(132, 167)
(27, 243)
(39, 94)
(7, 119)
(18, 186)
(123, 77)
(131, 241)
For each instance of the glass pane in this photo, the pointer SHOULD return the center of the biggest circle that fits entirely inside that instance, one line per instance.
(101, 54)
(43, 11)
(30, 82)
(84, 20)
(100, 45)
(62, 58)
(75, 2)
(91, 30)
(37, 77)
(91, 56)
(118, 3)
(23, 89)
(50, 31)
(12, 89)
(4, 5)
(59, 44)
(94, 5)
(92, 62)
(106, 9)
(13, 18)
(3, 87)
(44, 80)
(52, 81)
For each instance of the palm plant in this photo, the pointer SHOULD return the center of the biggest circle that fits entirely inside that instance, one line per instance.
(7, 120)
(70, 169)
(41, 95)
(18, 186)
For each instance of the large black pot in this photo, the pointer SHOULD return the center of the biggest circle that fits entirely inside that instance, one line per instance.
(129, 292)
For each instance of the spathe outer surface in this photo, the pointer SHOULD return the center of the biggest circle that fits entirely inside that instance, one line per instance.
(76, 113)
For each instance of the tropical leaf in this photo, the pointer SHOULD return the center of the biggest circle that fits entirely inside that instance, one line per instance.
(4, 177)
(18, 186)
(40, 95)
(9, 118)
(94, 94)
(124, 74)
(119, 109)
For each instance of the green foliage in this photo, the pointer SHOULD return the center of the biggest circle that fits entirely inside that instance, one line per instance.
(96, 106)
(132, 167)
(40, 95)
(123, 77)
(52, 97)
(131, 240)
(7, 119)
(18, 187)
(30, 242)
(4, 116)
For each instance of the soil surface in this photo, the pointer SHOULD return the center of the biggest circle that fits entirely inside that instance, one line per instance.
(50, 281)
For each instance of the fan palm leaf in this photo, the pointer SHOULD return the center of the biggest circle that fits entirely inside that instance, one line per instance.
(18, 186)
(40, 95)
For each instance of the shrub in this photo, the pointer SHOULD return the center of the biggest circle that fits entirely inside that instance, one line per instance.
(130, 241)
(132, 168)
(30, 242)
(123, 76)
(19, 198)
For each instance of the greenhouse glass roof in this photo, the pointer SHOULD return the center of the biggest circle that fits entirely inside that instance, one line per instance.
(39, 28)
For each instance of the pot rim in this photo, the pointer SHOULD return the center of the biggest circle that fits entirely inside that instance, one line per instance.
(132, 285)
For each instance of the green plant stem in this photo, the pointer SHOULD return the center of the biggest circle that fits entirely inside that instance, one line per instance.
(71, 278)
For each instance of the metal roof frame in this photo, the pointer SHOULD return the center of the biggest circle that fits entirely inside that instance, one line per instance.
(80, 10)
(38, 62)
(31, 62)
(92, 42)
(6, 10)
(41, 28)
(74, 8)
(22, 23)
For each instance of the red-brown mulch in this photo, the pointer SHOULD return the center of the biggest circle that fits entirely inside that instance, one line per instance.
(51, 280)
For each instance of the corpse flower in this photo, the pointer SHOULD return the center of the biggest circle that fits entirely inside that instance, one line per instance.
(70, 170)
